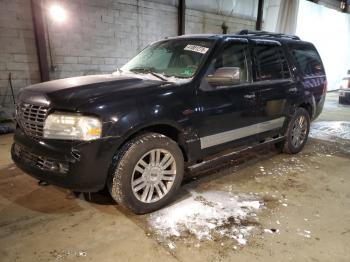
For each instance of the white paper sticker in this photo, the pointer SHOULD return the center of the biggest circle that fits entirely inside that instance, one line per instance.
(197, 48)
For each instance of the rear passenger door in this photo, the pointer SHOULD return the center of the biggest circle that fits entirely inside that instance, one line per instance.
(277, 89)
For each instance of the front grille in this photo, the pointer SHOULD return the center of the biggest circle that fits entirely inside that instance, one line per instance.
(40, 161)
(31, 118)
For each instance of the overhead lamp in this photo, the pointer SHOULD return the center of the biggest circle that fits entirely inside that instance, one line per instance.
(58, 13)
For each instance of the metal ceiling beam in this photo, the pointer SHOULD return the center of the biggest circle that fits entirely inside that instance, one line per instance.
(39, 32)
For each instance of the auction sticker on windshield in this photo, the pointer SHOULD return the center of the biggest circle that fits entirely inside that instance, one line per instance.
(197, 48)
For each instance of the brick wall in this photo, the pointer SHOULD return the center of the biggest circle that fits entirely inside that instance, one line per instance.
(102, 36)
(17, 48)
(98, 39)
(98, 36)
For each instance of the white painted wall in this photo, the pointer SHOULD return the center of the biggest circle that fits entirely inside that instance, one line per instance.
(271, 15)
(240, 8)
(329, 31)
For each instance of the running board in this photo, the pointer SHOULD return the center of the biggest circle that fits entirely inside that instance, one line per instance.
(229, 156)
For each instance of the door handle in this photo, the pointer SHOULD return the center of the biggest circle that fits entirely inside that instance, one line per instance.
(251, 96)
(293, 90)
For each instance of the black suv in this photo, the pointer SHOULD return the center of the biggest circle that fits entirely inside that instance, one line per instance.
(174, 106)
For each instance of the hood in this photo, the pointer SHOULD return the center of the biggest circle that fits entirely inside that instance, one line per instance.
(70, 93)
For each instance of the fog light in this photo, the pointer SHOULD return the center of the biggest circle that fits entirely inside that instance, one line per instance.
(63, 168)
(54, 166)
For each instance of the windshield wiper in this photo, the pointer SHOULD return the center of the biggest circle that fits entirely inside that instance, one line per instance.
(149, 70)
(159, 76)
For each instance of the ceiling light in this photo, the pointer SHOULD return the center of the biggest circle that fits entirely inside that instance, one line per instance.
(58, 13)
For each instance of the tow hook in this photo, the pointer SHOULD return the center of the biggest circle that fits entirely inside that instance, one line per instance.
(43, 183)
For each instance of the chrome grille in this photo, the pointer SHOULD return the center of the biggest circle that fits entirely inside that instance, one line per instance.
(31, 118)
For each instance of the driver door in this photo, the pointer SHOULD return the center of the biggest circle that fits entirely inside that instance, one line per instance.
(228, 113)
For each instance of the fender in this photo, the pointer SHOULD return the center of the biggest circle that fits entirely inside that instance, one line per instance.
(187, 138)
(309, 100)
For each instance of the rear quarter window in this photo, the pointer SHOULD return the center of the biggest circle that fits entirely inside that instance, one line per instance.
(271, 63)
(307, 60)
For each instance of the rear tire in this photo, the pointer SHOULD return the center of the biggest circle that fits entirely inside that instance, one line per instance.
(147, 173)
(297, 133)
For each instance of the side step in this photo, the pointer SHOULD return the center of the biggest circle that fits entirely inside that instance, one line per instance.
(216, 160)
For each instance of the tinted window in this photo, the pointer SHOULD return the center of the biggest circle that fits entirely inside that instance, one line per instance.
(271, 63)
(307, 60)
(285, 73)
(233, 56)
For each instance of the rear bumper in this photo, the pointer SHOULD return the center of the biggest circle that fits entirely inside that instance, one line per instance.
(79, 166)
(344, 95)
(343, 92)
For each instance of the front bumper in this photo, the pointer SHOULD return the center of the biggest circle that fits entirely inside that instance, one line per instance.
(79, 166)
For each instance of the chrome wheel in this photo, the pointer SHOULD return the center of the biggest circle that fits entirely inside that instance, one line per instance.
(299, 131)
(153, 175)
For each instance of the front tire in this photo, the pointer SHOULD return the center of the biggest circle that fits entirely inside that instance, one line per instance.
(297, 132)
(147, 173)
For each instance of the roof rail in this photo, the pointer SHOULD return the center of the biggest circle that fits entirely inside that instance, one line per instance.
(267, 34)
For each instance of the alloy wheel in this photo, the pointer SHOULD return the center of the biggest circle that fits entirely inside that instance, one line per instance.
(299, 131)
(153, 175)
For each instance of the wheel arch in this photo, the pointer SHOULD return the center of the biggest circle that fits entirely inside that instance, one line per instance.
(309, 105)
(168, 129)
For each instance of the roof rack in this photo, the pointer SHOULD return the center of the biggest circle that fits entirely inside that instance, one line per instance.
(267, 34)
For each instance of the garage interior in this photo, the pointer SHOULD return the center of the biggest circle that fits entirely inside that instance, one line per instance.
(258, 206)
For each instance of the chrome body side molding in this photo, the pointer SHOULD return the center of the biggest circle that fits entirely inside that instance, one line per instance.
(231, 135)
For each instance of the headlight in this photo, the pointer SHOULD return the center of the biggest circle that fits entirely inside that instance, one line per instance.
(72, 127)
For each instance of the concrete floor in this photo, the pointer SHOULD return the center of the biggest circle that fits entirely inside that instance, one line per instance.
(303, 212)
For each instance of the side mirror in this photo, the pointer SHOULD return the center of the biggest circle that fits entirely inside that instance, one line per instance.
(225, 76)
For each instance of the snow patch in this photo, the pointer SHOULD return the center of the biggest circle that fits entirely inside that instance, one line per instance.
(286, 166)
(206, 216)
(171, 245)
(305, 233)
(67, 254)
(330, 130)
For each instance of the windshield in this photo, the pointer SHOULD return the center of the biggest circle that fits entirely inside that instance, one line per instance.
(178, 58)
